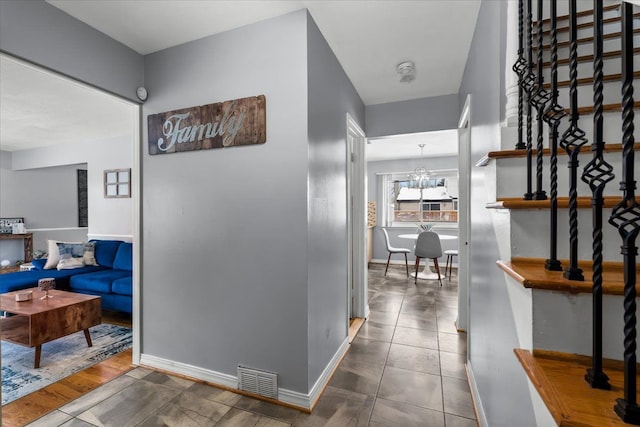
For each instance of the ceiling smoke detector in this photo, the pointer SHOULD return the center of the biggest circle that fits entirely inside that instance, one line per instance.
(407, 71)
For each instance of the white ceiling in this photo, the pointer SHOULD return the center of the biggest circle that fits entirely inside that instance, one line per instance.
(369, 38)
(436, 144)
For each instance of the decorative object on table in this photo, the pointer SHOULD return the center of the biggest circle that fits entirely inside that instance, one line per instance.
(117, 183)
(425, 227)
(24, 296)
(18, 228)
(45, 284)
(220, 125)
(5, 263)
(39, 254)
(6, 224)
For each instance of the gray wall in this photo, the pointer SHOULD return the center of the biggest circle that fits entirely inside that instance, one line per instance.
(331, 96)
(225, 230)
(45, 198)
(38, 32)
(416, 115)
(492, 331)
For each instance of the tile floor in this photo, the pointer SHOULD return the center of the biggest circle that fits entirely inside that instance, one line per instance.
(405, 368)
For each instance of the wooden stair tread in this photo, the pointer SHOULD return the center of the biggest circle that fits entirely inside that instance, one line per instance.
(531, 274)
(584, 202)
(588, 24)
(589, 80)
(559, 379)
(580, 14)
(607, 108)
(589, 58)
(509, 154)
(585, 40)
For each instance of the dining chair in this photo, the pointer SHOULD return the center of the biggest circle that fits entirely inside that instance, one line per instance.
(394, 250)
(428, 246)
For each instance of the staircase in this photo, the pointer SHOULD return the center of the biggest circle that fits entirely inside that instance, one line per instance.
(556, 322)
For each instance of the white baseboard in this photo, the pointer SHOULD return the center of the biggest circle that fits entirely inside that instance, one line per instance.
(324, 378)
(290, 397)
(482, 417)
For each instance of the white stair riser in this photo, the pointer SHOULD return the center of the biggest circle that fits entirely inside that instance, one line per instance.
(530, 235)
(563, 322)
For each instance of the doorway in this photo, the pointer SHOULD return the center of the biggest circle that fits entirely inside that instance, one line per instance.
(464, 173)
(110, 131)
(357, 303)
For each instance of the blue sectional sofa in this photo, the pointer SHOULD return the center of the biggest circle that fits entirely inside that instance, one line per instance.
(111, 279)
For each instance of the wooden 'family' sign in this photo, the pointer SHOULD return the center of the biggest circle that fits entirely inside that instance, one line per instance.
(223, 124)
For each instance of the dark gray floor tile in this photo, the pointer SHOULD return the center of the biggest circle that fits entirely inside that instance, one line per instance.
(376, 331)
(456, 421)
(383, 317)
(411, 387)
(357, 377)
(75, 422)
(453, 343)
(414, 358)
(239, 418)
(387, 413)
(457, 397)
(416, 337)
(213, 393)
(187, 410)
(168, 380)
(129, 406)
(453, 365)
(368, 352)
(267, 409)
(410, 320)
(338, 407)
(55, 418)
(96, 396)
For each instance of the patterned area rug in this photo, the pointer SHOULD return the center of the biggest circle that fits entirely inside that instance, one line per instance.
(60, 358)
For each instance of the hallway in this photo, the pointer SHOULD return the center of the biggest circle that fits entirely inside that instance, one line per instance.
(405, 368)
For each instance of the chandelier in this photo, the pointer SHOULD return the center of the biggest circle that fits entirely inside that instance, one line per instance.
(421, 177)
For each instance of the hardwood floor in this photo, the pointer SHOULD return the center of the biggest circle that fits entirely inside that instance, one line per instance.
(33, 406)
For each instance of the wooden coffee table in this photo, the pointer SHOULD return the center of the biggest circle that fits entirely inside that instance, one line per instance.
(39, 321)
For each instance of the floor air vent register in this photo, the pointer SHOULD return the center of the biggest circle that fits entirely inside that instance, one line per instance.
(254, 381)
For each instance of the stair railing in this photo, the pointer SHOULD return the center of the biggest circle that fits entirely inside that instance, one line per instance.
(553, 117)
(529, 85)
(520, 68)
(626, 217)
(539, 101)
(597, 173)
(572, 141)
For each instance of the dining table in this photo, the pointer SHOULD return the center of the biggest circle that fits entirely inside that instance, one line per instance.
(426, 272)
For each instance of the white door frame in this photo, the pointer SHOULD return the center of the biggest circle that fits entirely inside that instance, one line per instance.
(358, 305)
(464, 214)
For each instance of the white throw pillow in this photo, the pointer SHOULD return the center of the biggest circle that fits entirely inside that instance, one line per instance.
(53, 256)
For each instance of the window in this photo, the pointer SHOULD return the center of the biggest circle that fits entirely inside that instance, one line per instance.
(402, 203)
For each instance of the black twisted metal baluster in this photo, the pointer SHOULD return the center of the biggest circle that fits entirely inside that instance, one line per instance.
(520, 68)
(626, 217)
(529, 86)
(597, 173)
(553, 116)
(572, 141)
(539, 100)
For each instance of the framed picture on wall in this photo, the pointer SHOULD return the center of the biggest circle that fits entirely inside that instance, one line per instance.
(117, 183)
